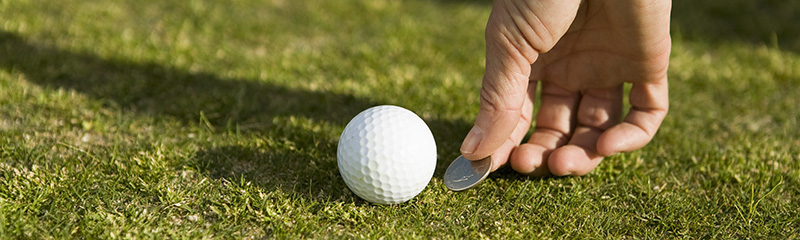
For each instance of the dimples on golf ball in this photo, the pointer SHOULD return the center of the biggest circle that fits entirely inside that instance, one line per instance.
(386, 155)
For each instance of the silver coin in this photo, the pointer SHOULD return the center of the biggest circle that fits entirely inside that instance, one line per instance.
(463, 174)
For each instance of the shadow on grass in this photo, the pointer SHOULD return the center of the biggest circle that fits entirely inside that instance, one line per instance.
(766, 22)
(289, 171)
(162, 92)
(147, 88)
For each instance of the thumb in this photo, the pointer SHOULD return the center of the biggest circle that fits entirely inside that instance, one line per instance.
(515, 35)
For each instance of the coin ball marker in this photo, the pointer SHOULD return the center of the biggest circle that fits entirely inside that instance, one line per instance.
(386, 154)
(463, 174)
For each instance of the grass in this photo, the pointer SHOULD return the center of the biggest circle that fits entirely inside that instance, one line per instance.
(209, 119)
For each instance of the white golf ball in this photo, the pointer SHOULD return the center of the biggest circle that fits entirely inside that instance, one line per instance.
(386, 154)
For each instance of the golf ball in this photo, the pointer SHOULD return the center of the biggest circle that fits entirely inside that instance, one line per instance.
(386, 154)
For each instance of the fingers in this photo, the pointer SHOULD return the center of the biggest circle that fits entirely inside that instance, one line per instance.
(596, 134)
(553, 129)
(555, 149)
(515, 34)
(649, 105)
(599, 110)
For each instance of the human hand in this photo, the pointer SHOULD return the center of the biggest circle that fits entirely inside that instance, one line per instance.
(582, 52)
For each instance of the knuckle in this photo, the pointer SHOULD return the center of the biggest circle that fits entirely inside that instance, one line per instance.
(596, 118)
(499, 104)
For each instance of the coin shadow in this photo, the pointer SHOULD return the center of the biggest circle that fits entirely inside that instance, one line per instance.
(507, 173)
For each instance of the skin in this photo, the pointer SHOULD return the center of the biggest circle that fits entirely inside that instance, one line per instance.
(581, 53)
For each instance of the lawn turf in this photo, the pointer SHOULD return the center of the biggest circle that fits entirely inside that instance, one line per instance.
(215, 119)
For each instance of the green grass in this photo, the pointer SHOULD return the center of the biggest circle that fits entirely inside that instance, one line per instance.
(213, 119)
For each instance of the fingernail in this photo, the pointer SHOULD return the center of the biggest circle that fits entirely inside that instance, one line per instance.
(472, 140)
